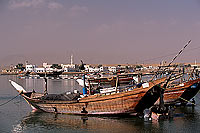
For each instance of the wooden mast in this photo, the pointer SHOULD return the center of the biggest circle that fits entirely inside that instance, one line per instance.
(161, 106)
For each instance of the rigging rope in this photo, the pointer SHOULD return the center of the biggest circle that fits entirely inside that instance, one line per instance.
(10, 100)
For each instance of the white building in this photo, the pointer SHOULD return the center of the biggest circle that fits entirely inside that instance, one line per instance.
(112, 69)
(93, 69)
(87, 67)
(40, 70)
(68, 66)
(69, 69)
(103, 69)
(30, 68)
(195, 65)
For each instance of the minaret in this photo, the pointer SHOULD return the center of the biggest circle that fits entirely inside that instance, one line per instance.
(71, 60)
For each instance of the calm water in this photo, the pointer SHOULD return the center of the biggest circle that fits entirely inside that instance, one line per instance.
(17, 117)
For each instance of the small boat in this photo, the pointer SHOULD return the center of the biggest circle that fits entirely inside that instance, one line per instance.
(50, 74)
(120, 102)
(178, 95)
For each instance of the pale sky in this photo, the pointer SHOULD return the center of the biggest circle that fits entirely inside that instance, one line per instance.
(98, 31)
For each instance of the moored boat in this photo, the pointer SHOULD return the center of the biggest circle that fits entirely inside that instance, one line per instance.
(127, 101)
(181, 93)
(50, 74)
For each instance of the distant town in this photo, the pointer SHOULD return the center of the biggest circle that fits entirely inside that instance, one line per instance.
(71, 68)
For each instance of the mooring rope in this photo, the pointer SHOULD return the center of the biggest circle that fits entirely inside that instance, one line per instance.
(187, 101)
(9, 100)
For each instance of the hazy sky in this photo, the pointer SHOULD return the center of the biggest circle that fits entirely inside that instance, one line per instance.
(98, 31)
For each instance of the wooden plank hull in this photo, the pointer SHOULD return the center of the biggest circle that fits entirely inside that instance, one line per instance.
(176, 95)
(126, 102)
(190, 92)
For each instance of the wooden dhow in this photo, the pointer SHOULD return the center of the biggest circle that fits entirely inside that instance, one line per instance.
(127, 101)
(181, 93)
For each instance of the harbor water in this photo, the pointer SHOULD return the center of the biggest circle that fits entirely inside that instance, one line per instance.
(17, 116)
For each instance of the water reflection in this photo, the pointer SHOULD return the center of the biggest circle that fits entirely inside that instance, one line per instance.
(62, 122)
(54, 85)
(40, 121)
